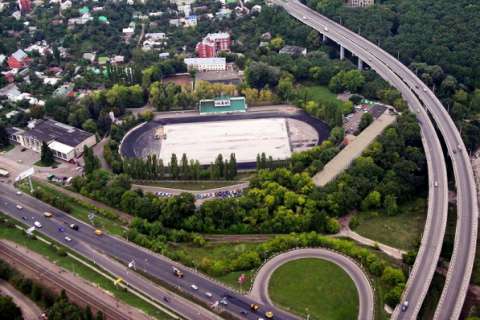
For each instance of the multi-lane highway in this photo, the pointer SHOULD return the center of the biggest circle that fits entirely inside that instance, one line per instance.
(417, 95)
(99, 248)
(365, 291)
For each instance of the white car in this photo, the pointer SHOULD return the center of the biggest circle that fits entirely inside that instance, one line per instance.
(68, 239)
(19, 207)
(37, 224)
(19, 193)
(194, 287)
(326, 29)
(435, 184)
(425, 89)
(208, 294)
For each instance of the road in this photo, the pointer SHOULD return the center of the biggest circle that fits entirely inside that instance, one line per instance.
(411, 89)
(30, 311)
(365, 291)
(101, 248)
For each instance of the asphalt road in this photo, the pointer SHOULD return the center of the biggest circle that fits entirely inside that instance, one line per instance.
(100, 248)
(412, 89)
(365, 291)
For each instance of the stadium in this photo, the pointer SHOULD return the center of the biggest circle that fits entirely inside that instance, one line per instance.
(203, 136)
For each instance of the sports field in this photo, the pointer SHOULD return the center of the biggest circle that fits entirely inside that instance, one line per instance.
(203, 141)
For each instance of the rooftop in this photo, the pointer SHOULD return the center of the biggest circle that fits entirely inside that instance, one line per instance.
(223, 105)
(293, 50)
(49, 130)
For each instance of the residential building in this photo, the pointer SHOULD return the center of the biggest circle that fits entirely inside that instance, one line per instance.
(65, 141)
(25, 5)
(212, 44)
(360, 3)
(206, 64)
(293, 50)
(222, 105)
(19, 59)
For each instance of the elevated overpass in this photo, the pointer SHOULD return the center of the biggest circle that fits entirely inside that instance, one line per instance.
(420, 99)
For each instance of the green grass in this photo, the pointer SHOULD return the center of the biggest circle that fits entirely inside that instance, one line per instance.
(225, 251)
(316, 287)
(188, 185)
(79, 211)
(319, 93)
(51, 253)
(401, 231)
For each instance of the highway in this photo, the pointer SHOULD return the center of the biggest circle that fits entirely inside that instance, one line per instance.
(100, 248)
(365, 291)
(461, 265)
(432, 239)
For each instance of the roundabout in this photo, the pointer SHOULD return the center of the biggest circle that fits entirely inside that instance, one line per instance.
(267, 273)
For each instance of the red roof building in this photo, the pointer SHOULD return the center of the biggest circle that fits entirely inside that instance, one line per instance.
(25, 5)
(18, 59)
(212, 44)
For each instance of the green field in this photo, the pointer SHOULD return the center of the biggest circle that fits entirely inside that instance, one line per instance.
(315, 287)
(52, 254)
(318, 93)
(401, 231)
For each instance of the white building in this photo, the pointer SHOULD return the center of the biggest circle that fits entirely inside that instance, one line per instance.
(360, 3)
(65, 141)
(206, 64)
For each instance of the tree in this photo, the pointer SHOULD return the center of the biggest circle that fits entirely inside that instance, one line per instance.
(390, 204)
(337, 135)
(91, 161)
(46, 155)
(365, 121)
(9, 310)
(372, 200)
(277, 43)
(393, 276)
(260, 74)
(285, 89)
(88, 315)
(174, 170)
(4, 142)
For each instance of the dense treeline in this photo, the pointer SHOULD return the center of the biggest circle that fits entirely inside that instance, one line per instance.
(438, 40)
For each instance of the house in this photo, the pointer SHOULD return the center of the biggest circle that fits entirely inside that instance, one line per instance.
(25, 5)
(65, 5)
(257, 8)
(293, 51)
(206, 64)
(212, 44)
(155, 36)
(64, 90)
(223, 13)
(186, 9)
(191, 21)
(89, 56)
(118, 59)
(65, 141)
(10, 91)
(19, 59)
(222, 105)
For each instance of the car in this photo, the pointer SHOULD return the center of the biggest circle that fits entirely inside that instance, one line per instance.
(19, 207)
(24, 218)
(254, 307)
(269, 315)
(194, 287)
(60, 229)
(208, 294)
(224, 301)
(417, 86)
(243, 312)
(305, 18)
(177, 272)
(19, 193)
(405, 306)
(435, 184)
(68, 239)
(425, 89)
(98, 232)
(326, 29)
(37, 224)
(73, 226)
(47, 214)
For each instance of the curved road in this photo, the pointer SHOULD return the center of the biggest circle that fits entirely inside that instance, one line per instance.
(427, 259)
(259, 289)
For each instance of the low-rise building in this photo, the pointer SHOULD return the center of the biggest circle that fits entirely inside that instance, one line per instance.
(65, 141)
(360, 3)
(222, 105)
(293, 50)
(206, 64)
(19, 59)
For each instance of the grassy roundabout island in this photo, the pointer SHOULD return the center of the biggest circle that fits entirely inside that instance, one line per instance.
(316, 286)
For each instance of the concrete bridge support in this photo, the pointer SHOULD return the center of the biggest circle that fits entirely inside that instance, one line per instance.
(342, 53)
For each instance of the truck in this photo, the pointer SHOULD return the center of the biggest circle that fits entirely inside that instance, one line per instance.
(177, 272)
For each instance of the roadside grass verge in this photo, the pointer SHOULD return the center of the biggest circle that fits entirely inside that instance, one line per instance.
(402, 231)
(54, 254)
(315, 287)
(79, 210)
